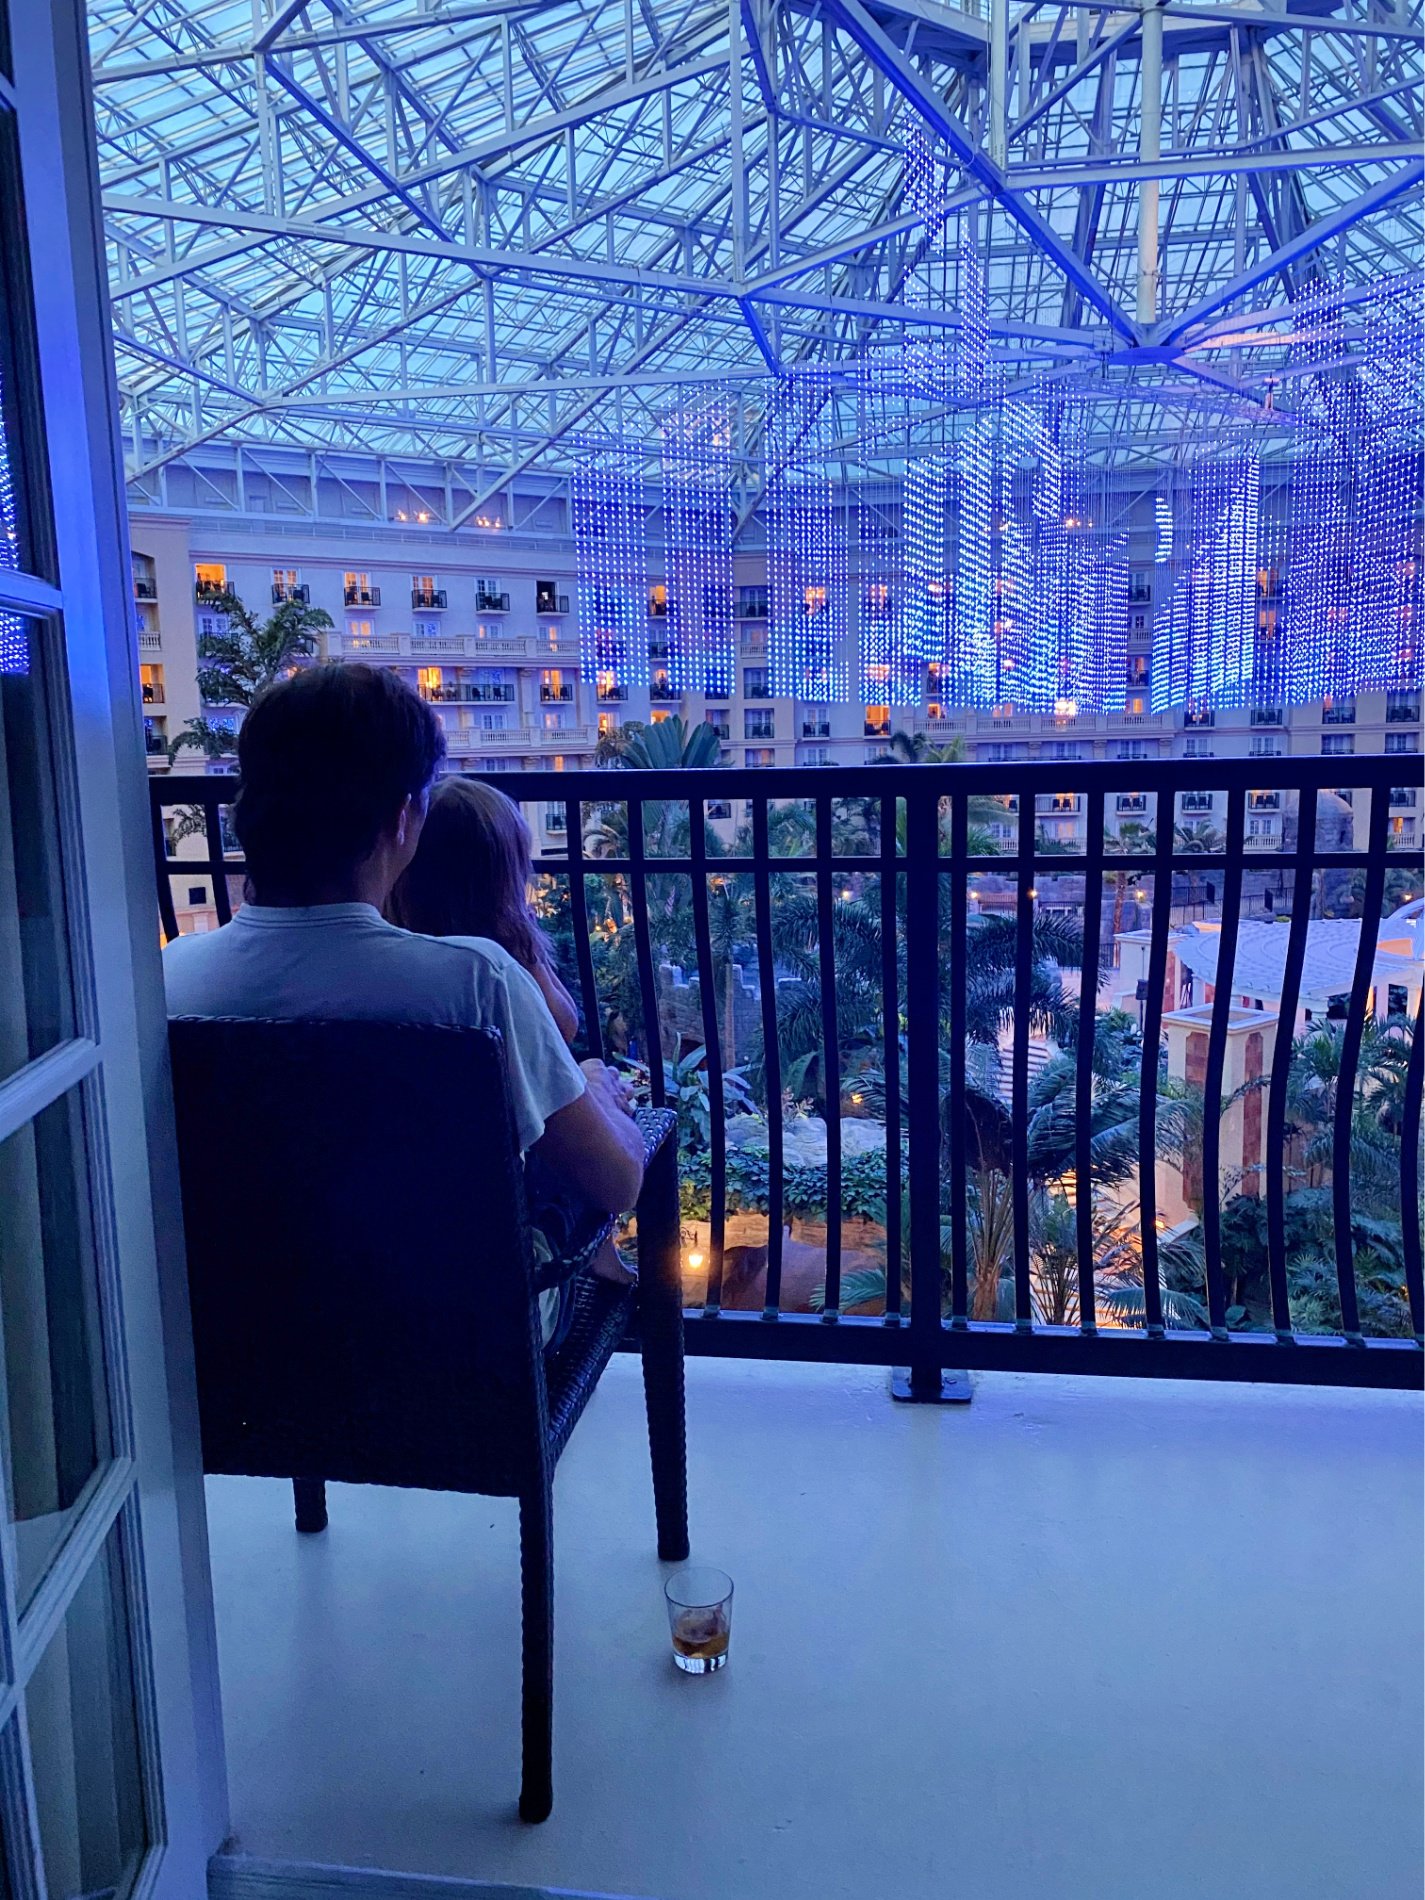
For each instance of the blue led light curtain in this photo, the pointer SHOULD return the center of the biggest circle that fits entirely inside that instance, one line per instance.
(934, 533)
(697, 533)
(808, 529)
(610, 532)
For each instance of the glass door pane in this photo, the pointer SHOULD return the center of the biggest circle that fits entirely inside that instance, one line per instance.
(84, 1742)
(36, 991)
(58, 1419)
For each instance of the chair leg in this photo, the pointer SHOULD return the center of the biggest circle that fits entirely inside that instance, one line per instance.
(660, 1306)
(310, 1495)
(537, 1638)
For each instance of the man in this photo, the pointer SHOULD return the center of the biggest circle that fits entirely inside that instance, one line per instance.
(336, 767)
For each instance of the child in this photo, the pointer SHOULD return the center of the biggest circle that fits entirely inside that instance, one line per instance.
(470, 877)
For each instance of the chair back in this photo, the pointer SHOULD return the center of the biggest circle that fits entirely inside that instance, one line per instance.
(358, 1253)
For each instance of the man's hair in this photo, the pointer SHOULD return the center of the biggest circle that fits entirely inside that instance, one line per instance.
(326, 759)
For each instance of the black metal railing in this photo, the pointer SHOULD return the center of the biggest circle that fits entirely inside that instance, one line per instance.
(432, 599)
(868, 944)
(548, 603)
(353, 596)
(492, 603)
(145, 587)
(290, 590)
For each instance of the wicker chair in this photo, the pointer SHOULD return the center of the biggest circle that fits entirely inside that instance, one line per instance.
(364, 1298)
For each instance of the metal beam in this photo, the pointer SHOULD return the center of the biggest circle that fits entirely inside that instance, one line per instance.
(892, 61)
(1311, 239)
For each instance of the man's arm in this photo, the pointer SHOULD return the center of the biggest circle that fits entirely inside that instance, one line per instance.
(595, 1145)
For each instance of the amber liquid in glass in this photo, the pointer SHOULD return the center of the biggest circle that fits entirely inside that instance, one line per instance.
(701, 1634)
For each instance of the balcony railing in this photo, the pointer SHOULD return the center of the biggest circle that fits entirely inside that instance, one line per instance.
(467, 695)
(556, 695)
(290, 590)
(360, 644)
(883, 957)
(361, 596)
(145, 587)
(548, 603)
(211, 590)
(492, 603)
(428, 599)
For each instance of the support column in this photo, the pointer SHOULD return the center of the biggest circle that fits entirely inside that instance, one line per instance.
(998, 75)
(1150, 145)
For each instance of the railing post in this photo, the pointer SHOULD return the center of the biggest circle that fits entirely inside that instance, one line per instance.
(924, 1381)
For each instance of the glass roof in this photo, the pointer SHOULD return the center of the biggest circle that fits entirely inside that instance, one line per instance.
(479, 232)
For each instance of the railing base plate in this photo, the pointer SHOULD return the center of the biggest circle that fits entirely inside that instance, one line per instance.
(954, 1389)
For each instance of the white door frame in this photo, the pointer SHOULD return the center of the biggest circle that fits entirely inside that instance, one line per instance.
(153, 1383)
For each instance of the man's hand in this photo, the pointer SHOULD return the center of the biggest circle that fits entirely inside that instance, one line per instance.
(594, 1142)
(611, 1088)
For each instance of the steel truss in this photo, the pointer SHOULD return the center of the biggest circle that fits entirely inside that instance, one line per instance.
(466, 234)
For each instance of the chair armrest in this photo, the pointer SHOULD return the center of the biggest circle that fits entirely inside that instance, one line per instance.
(657, 1126)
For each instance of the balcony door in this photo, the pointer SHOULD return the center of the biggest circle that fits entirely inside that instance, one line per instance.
(110, 1752)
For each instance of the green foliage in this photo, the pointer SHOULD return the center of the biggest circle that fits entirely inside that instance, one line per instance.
(235, 665)
(863, 1186)
(671, 742)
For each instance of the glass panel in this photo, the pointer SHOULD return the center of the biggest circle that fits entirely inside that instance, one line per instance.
(84, 1743)
(36, 996)
(18, 494)
(53, 1367)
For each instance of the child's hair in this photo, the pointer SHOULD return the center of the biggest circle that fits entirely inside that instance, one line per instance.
(471, 873)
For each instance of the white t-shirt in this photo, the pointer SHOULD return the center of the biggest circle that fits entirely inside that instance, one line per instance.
(346, 962)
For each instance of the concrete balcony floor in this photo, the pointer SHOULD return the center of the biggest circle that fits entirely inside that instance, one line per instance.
(1084, 1638)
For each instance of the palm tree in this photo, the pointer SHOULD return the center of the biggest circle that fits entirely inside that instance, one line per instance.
(983, 810)
(1196, 840)
(1130, 837)
(914, 748)
(672, 743)
(236, 664)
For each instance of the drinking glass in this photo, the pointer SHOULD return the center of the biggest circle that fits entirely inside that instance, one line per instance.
(699, 1618)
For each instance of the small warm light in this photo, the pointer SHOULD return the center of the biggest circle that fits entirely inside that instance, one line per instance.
(857, 1100)
(1033, 891)
(846, 893)
(1140, 897)
(695, 1260)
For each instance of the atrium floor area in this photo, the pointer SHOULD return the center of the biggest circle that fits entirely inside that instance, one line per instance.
(1084, 1639)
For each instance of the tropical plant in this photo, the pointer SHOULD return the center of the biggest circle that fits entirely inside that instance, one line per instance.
(915, 748)
(238, 660)
(687, 1090)
(671, 742)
